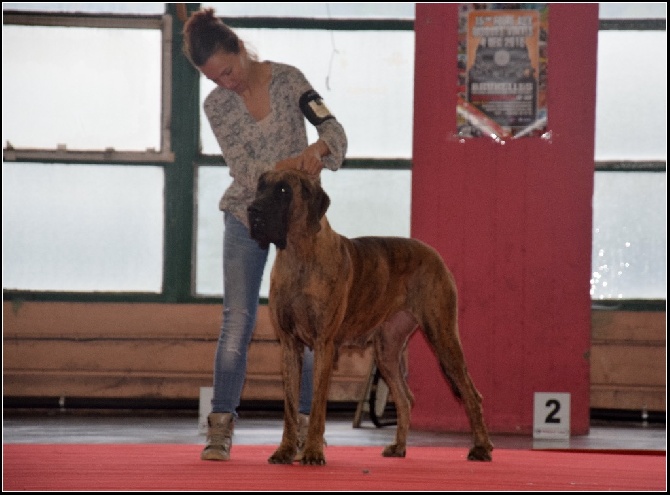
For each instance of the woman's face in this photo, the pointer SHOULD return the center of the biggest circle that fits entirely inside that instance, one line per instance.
(228, 70)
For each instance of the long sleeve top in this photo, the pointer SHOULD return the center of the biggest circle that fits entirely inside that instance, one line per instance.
(251, 147)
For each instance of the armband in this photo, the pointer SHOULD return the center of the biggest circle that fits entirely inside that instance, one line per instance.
(313, 108)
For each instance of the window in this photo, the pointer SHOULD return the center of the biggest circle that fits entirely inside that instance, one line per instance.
(82, 227)
(105, 98)
(630, 197)
(85, 139)
(110, 190)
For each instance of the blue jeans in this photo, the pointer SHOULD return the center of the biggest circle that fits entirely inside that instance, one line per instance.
(243, 265)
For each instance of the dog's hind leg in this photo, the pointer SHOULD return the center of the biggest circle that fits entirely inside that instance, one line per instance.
(472, 401)
(481, 451)
(390, 342)
(447, 347)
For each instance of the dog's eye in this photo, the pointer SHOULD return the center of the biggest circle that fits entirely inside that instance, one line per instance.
(283, 189)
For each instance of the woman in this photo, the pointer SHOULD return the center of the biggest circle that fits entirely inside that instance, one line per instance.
(257, 113)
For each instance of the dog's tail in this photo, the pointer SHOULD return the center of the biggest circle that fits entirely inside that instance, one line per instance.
(436, 310)
(446, 346)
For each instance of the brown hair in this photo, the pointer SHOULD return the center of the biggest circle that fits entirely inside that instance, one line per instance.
(205, 34)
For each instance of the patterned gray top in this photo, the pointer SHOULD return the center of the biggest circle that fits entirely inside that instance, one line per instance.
(251, 147)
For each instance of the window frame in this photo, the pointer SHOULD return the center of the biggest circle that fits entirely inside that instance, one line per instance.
(178, 205)
(110, 155)
(650, 166)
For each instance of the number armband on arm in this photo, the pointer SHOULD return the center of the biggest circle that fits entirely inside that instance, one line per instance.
(313, 108)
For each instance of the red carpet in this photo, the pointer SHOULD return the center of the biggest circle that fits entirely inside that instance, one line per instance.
(171, 467)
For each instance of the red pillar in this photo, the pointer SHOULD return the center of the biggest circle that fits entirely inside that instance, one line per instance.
(513, 222)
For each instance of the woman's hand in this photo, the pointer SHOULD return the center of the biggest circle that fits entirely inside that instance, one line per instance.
(288, 164)
(308, 161)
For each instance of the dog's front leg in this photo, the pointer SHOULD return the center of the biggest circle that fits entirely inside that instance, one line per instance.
(324, 358)
(292, 352)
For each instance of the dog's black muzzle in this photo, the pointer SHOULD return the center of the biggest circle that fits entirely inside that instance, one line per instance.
(268, 213)
(267, 223)
(258, 226)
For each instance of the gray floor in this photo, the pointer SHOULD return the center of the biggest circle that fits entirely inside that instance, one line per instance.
(260, 428)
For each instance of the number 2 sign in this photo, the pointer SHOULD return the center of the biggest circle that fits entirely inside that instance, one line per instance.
(551, 417)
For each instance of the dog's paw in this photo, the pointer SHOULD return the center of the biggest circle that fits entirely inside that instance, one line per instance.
(313, 458)
(480, 454)
(282, 456)
(394, 450)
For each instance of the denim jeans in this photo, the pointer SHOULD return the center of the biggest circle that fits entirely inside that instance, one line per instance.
(243, 265)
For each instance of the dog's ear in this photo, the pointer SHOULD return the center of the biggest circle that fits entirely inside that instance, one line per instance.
(317, 203)
(261, 181)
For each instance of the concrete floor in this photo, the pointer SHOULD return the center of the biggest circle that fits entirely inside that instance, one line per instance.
(266, 428)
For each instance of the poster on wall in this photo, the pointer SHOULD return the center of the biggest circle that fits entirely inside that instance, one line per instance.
(502, 70)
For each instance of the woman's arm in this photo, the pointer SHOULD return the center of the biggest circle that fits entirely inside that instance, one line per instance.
(331, 147)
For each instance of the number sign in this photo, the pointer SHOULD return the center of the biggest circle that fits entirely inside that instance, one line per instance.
(551, 417)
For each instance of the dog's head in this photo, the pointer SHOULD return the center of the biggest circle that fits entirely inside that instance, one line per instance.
(287, 202)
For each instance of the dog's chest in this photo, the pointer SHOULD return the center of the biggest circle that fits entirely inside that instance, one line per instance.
(311, 280)
(302, 300)
(295, 317)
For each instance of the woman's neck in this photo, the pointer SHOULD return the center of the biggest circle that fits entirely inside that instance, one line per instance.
(256, 76)
(256, 94)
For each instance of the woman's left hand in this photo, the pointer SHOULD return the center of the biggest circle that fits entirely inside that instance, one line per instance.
(310, 160)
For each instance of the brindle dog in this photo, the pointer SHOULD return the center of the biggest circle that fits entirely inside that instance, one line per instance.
(328, 291)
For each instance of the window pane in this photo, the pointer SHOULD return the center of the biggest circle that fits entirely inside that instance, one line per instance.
(90, 7)
(369, 202)
(211, 183)
(363, 202)
(368, 90)
(639, 10)
(82, 228)
(85, 88)
(629, 236)
(631, 99)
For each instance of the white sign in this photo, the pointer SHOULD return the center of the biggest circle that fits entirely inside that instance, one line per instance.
(205, 408)
(551, 418)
